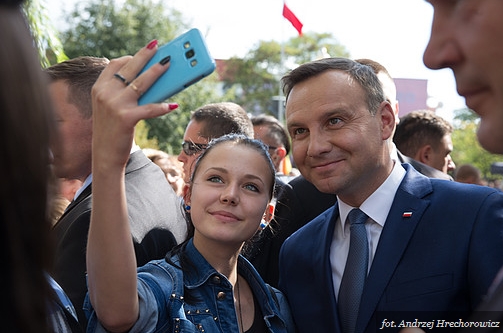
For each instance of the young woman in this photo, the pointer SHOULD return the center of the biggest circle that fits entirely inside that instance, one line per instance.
(204, 284)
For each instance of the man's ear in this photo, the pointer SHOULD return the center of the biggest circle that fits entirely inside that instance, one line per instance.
(424, 154)
(388, 120)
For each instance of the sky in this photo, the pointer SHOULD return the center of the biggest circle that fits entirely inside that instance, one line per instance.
(392, 32)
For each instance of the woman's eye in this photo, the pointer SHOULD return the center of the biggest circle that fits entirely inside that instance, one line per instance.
(252, 187)
(215, 179)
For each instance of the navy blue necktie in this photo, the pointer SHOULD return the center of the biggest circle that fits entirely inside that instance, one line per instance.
(355, 272)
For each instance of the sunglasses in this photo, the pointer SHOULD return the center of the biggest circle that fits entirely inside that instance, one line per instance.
(191, 148)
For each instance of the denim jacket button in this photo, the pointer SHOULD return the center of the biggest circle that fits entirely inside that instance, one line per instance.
(221, 295)
(215, 279)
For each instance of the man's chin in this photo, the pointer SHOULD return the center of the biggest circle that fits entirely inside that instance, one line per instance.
(490, 140)
(324, 185)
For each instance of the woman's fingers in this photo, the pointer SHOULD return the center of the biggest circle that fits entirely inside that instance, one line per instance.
(128, 74)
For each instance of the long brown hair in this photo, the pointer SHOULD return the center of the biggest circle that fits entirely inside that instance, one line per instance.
(26, 125)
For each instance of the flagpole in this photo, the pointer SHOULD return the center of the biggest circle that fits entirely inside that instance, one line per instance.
(281, 98)
(290, 16)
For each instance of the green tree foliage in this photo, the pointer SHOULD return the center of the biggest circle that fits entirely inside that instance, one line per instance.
(256, 77)
(46, 37)
(466, 146)
(105, 28)
(108, 29)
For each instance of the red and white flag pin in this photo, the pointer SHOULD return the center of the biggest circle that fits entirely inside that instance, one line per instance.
(407, 214)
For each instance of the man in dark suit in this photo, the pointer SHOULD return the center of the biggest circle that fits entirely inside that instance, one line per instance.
(155, 213)
(432, 245)
(300, 201)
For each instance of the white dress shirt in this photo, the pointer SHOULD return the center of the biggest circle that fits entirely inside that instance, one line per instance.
(377, 207)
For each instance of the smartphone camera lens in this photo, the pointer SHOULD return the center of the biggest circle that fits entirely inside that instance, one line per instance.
(190, 53)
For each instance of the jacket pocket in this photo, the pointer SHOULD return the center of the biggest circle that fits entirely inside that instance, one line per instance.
(419, 287)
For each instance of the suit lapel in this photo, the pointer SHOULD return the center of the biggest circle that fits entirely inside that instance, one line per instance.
(405, 213)
(324, 255)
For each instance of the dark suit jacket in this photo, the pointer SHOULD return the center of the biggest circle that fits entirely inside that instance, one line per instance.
(299, 202)
(443, 257)
(155, 217)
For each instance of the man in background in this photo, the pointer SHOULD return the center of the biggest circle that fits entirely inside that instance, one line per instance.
(469, 174)
(426, 137)
(270, 131)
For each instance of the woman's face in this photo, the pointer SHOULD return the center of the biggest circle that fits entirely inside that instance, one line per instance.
(229, 194)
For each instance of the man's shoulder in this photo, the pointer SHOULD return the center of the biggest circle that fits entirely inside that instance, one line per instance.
(304, 189)
(142, 175)
(315, 228)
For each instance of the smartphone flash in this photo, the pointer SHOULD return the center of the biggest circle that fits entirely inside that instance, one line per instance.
(193, 62)
(186, 45)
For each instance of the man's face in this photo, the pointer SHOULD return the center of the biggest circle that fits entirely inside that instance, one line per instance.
(72, 154)
(336, 143)
(467, 36)
(192, 135)
(260, 133)
(440, 158)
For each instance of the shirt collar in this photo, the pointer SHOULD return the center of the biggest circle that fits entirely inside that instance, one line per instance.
(86, 183)
(378, 204)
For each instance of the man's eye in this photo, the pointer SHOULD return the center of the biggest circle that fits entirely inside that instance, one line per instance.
(299, 131)
(334, 121)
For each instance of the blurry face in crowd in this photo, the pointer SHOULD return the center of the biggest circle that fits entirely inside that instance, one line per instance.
(72, 155)
(194, 143)
(466, 37)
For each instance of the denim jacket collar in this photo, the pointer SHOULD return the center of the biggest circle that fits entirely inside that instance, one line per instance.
(204, 272)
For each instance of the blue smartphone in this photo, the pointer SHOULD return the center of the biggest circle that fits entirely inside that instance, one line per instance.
(190, 62)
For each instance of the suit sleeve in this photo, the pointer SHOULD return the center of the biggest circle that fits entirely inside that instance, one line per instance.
(486, 246)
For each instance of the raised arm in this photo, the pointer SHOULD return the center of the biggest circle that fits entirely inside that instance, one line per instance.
(111, 263)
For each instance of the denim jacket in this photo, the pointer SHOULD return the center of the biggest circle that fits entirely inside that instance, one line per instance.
(211, 306)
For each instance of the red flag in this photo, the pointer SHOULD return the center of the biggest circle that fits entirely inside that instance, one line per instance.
(290, 16)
